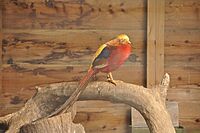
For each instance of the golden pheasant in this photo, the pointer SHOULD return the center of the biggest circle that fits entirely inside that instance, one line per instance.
(108, 58)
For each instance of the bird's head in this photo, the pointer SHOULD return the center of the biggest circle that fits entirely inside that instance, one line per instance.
(124, 38)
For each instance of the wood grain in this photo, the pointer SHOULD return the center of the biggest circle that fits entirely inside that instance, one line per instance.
(88, 14)
(182, 58)
(1, 37)
(46, 56)
(138, 121)
(182, 14)
(45, 42)
(155, 42)
(115, 14)
(63, 46)
(184, 75)
(189, 114)
(184, 93)
(19, 77)
(103, 117)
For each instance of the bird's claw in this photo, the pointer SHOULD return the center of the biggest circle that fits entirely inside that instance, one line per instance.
(112, 81)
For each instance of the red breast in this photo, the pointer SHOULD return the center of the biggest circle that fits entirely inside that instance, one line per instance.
(117, 58)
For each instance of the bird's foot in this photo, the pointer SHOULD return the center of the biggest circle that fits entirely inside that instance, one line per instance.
(110, 79)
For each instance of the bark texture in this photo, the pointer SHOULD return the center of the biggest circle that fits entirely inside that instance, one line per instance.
(149, 102)
(58, 124)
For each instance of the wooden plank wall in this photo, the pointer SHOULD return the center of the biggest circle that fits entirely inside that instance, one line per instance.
(46, 41)
(182, 58)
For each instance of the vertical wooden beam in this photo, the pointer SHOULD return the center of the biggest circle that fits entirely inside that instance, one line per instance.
(1, 37)
(155, 41)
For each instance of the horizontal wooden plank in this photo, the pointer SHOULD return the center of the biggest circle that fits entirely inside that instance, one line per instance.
(182, 55)
(189, 109)
(184, 93)
(183, 75)
(19, 76)
(190, 124)
(146, 130)
(181, 2)
(182, 14)
(182, 48)
(178, 59)
(181, 24)
(187, 37)
(88, 14)
(63, 46)
(103, 117)
(189, 114)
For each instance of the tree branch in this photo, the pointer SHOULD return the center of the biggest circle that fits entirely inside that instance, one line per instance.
(58, 124)
(51, 97)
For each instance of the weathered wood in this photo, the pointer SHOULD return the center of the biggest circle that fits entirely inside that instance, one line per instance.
(182, 58)
(190, 109)
(182, 64)
(1, 59)
(58, 124)
(151, 37)
(42, 56)
(184, 75)
(1, 37)
(155, 42)
(190, 123)
(143, 99)
(129, 14)
(146, 130)
(181, 46)
(138, 121)
(187, 43)
(31, 75)
(103, 117)
(182, 14)
(88, 14)
(184, 93)
(63, 46)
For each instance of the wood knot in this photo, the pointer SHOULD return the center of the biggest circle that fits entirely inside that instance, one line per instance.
(111, 11)
(197, 120)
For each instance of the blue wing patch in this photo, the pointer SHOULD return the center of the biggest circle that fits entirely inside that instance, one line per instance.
(101, 59)
(104, 54)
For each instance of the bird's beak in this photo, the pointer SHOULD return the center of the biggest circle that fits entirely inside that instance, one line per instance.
(131, 45)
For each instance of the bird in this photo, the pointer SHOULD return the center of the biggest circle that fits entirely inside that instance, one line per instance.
(109, 57)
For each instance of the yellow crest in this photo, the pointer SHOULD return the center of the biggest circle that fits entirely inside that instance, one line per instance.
(124, 37)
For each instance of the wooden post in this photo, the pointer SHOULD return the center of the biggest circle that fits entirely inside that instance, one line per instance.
(155, 42)
(1, 37)
(155, 52)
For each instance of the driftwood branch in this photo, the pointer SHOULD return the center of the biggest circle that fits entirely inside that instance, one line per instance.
(149, 102)
(58, 124)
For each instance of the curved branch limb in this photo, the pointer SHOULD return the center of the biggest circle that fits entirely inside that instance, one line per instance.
(160, 91)
(50, 97)
(58, 124)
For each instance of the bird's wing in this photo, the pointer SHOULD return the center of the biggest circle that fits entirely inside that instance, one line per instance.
(101, 56)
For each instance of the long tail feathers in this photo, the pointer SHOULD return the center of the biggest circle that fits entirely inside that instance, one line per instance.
(74, 97)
